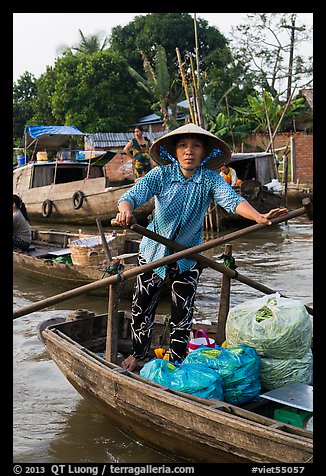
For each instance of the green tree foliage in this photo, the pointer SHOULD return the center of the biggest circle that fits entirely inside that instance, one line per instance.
(94, 92)
(266, 46)
(87, 44)
(230, 128)
(24, 94)
(158, 85)
(43, 110)
(171, 31)
(265, 108)
(260, 112)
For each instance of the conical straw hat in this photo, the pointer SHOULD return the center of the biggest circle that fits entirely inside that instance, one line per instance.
(213, 142)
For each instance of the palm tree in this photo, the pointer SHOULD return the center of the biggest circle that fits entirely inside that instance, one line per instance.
(157, 84)
(87, 44)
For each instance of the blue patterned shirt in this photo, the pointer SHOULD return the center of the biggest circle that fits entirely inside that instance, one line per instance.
(180, 208)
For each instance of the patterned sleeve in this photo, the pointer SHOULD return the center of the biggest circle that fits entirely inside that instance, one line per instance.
(144, 189)
(224, 194)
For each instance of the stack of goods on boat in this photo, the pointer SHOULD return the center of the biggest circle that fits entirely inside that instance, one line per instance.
(280, 330)
(268, 346)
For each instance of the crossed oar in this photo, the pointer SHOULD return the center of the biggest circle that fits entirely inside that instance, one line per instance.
(181, 252)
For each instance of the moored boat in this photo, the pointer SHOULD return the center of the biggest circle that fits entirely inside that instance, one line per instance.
(49, 260)
(257, 172)
(60, 185)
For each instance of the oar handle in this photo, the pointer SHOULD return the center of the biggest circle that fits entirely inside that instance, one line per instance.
(133, 221)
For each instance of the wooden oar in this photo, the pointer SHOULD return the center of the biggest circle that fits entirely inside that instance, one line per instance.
(65, 296)
(237, 234)
(211, 263)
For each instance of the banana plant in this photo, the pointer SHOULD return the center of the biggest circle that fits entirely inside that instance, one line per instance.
(157, 84)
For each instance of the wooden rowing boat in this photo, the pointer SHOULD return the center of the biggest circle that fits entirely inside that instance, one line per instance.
(46, 260)
(89, 350)
(189, 427)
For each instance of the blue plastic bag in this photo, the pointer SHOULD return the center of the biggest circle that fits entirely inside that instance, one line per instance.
(195, 379)
(239, 368)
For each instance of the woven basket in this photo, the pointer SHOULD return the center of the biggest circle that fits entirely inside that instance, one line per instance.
(94, 255)
(86, 256)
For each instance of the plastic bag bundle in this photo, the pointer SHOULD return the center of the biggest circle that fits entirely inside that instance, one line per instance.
(275, 326)
(239, 368)
(276, 373)
(189, 378)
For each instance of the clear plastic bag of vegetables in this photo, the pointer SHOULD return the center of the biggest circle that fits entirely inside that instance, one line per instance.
(277, 327)
(276, 373)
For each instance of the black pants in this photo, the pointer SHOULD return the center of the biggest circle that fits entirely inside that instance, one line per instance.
(146, 296)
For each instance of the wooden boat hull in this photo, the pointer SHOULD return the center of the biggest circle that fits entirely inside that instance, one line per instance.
(190, 427)
(98, 201)
(66, 275)
(263, 203)
(39, 265)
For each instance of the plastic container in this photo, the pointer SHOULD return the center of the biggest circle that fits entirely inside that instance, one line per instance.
(41, 156)
(65, 155)
(22, 160)
(201, 341)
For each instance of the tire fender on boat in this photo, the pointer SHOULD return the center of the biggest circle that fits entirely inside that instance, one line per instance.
(77, 199)
(47, 207)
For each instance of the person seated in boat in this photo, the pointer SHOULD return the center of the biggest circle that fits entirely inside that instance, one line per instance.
(22, 235)
(137, 149)
(184, 184)
(229, 175)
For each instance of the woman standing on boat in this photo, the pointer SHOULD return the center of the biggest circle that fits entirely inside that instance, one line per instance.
(137, 149)
(184, 185)
(22, 236)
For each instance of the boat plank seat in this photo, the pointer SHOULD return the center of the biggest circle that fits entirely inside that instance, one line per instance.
(60, 252)
(126, 256)
(38, 252)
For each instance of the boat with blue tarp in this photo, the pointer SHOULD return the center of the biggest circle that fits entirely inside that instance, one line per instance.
(63, 183)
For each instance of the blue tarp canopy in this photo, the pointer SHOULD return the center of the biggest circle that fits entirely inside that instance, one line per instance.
(48, 137)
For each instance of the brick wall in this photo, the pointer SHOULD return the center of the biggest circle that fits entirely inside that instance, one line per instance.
(304, 158)
(303, 144)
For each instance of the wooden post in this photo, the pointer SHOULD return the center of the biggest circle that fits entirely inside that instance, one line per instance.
(111, 349)
(285, 177)
(293, 160)
(184, 82)
(307, 203)
(224, 302)
(104, 242)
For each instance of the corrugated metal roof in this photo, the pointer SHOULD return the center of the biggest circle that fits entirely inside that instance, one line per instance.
(117, 139)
